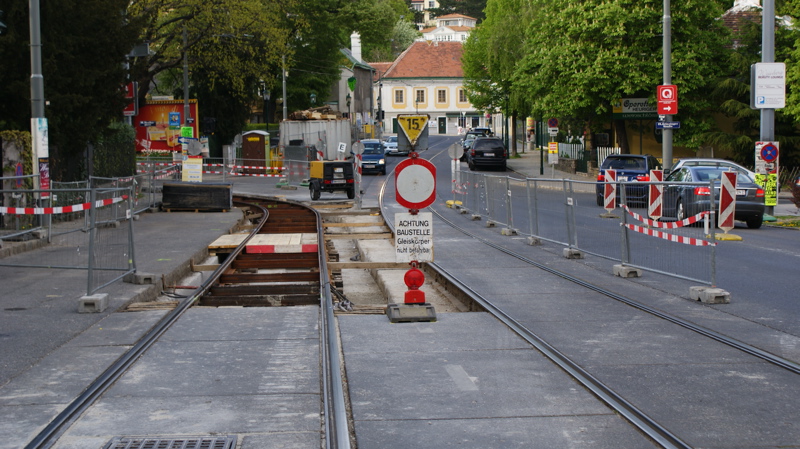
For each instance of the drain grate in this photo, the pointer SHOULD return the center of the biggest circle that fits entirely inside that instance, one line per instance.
(226, 442)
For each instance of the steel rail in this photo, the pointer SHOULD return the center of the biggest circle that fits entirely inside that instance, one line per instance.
(335, 422)
(50, 434)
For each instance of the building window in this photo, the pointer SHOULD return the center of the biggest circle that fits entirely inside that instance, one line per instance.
(441, 96)
(431, 4)
(462, 96)
(398, 96)
(420, 96)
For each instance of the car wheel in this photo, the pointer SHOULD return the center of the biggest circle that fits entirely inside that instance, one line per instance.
(755, 222)
(600, 201)
(471, 165)
(351, 193)
(383, 172)
(314, 188)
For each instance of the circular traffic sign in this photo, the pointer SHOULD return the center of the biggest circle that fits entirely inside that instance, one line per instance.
(415, 183)
(769, 152)
(552, 123)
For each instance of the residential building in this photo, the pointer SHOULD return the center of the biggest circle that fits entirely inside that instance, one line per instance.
(423, 6)
(427, 78)
(451, 27)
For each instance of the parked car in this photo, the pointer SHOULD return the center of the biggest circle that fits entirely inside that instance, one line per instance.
(466, 144)
(390, 146)
(711, 162)
(485, 130)
(373, 159)
(683, 201)
(487, 152)
(631, 168)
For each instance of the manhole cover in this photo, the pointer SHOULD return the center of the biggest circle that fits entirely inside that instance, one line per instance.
(227, 442)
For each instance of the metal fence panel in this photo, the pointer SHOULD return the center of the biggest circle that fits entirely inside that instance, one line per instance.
(89, 229)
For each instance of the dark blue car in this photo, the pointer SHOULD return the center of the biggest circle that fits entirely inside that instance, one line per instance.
(631, 168)
(373, 159)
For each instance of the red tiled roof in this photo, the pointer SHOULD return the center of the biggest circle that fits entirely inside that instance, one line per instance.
(380, 68)
(424, 59)
(455, 16)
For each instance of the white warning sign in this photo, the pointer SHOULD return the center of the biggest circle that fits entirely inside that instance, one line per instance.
(413, 237)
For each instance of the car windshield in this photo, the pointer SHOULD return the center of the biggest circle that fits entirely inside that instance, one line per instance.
(488, 145)
(372, 148)
(392, 139)
(705, 174)
(618, 163)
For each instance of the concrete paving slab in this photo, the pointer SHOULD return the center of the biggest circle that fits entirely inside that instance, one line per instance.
(547, 432)
(224, 368)
(709, 403)
(245, 323)
(452, 332)
(625, 340)
(200, 415)
(118, 329)
(60, 377)
(20, 424)
(281, 440)
(484, 384)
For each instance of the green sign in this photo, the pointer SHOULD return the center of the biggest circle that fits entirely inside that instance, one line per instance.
(351, 83)
(187, 131)
(769, 183)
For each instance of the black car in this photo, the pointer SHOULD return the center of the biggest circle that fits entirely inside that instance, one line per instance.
(631, 168)
(373, 158)
(685, 200)
(487, 152)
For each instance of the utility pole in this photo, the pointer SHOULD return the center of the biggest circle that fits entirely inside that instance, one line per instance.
(283, 63)
(666, 142)
(186, 109)
(768, 55)
(39, 128)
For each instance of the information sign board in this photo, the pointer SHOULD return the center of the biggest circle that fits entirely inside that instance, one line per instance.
(413, 237)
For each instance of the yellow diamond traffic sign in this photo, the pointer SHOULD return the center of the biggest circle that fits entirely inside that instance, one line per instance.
(412, 126)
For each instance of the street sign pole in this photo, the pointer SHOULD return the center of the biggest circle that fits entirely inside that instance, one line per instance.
(666, 143)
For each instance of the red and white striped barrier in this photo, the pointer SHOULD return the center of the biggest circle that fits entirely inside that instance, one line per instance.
(61, 209)
(667, 225)
(610, 192)
(257, 174)
(727, 201)
(654, 208)
(671, 237)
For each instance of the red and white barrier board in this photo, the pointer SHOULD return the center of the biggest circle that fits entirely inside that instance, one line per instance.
(656, 195)
(61, 209)
(727, 201)
(610, 192)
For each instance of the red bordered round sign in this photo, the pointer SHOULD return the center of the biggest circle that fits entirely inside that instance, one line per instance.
(415, 183)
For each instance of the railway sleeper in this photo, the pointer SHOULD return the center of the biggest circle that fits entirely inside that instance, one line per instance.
(260, 300)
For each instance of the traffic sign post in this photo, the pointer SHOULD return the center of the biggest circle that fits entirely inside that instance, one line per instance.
(767, 156)
(415, 184)
(667, 96)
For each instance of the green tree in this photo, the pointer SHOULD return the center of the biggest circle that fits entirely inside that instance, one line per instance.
(490, 59)
(471, 8)
(584, 55)
(732, 94)
(84, 44)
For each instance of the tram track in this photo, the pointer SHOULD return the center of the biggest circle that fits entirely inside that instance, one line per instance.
(292, 278)
(637, 417)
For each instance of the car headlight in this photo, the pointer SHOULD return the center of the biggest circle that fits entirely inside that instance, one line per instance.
(382, 162)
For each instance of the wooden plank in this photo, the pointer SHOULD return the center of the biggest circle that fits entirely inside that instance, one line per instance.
(368, 265)
(353, 225)
(372, 236)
